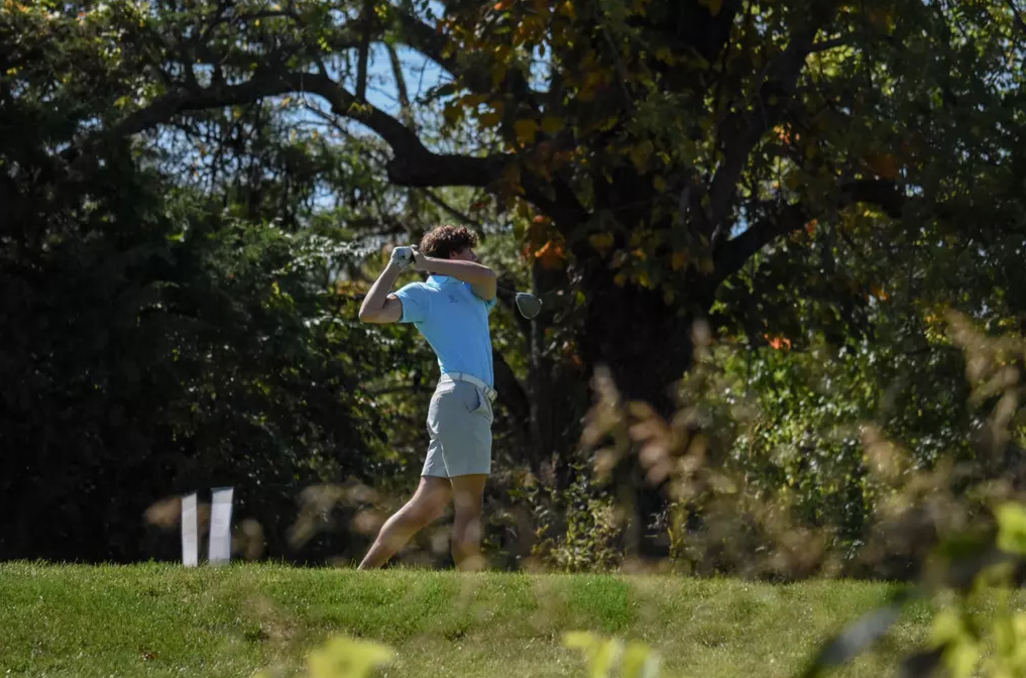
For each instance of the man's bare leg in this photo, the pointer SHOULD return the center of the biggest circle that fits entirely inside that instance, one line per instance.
(427, 504)
(468, 497)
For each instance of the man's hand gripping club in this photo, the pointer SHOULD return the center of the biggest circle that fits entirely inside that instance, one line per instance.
(379, 306)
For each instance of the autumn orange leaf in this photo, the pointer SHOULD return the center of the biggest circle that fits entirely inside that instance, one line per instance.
(551, 255)
(778, 343)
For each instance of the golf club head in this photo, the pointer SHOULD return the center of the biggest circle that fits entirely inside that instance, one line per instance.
(528, 305)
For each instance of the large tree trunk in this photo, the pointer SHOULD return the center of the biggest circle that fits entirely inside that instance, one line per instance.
(647, 346)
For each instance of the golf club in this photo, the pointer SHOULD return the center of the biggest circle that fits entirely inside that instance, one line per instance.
(528, 304)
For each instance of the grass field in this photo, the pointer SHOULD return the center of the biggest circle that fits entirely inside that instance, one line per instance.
(161, 620)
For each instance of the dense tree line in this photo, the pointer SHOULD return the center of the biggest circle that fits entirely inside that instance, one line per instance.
(193, 195)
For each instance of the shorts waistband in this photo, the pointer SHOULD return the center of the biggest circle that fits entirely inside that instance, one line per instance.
(488, 391)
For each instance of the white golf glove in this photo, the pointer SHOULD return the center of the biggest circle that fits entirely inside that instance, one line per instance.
(402, 256)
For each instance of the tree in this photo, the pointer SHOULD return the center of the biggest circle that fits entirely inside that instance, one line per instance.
(650, 149)
(155, 341)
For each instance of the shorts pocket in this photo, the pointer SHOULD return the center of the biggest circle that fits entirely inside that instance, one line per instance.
(478, 404)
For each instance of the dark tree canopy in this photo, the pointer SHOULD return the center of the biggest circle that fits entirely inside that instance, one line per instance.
(787, 168)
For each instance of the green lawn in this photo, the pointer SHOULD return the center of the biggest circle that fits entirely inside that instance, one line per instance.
(161, 620)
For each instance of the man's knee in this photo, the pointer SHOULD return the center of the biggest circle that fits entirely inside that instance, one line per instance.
(430, 501)
(427, 509)
(421, 514)
(466, 525)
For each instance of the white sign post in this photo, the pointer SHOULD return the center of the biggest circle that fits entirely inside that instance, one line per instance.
(190, 531)
(220, 551)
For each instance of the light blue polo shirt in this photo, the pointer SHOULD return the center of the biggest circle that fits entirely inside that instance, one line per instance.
(454, 321)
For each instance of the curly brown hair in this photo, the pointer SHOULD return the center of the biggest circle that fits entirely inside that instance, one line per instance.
(446, 239)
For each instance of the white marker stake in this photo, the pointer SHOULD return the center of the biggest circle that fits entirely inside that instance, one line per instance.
(190, 531)
(221, 526)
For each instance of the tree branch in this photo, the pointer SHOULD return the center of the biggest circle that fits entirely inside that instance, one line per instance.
(1017, 14)
(425, 40)
(366, 18)
(464, 218)
(743, 130)
(428, 42)
(412, 163)
(733, 254)
(400, 83)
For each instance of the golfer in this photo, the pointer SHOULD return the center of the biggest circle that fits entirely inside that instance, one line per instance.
(451, 311)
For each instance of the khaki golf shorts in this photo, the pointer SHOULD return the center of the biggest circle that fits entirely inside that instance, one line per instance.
(460, 423)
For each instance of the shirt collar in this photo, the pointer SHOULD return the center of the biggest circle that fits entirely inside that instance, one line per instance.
(440, 280)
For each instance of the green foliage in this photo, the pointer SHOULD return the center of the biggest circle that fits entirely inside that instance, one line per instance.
(977, 628)
(144, 364)
(344, 658)
(784, 463)
(174, 308)
(1011, 519)
(341, 657)
(607, 656)
(155, 343)
(580, 528)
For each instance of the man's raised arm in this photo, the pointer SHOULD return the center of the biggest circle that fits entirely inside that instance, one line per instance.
(379, 306)
(482, 280)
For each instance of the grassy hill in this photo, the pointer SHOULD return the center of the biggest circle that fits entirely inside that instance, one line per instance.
(162, 620)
